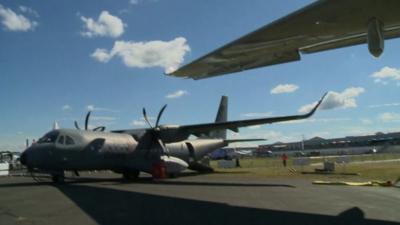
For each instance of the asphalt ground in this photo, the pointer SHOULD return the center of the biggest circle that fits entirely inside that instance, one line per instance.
(104, 198)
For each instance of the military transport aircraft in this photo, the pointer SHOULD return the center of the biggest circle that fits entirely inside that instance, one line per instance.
(322, 25)
(159, 150)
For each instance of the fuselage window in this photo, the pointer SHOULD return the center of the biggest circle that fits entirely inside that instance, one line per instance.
(50, 137)
(61, 140)
(69, 140)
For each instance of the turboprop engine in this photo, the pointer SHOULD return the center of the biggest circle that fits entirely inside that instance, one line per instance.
(173, 165)
(375, 37)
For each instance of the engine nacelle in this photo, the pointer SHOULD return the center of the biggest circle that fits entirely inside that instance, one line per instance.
(375, 37)
(193, 150)
(174, 165)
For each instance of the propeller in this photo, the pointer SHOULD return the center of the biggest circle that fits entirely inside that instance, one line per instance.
(100, 128)
(156, 129)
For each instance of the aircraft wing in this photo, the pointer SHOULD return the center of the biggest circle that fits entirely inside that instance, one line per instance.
(175, 133)
(322, 25)
(204, 129)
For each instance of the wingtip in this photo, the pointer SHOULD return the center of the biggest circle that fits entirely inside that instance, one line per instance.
(318, 104)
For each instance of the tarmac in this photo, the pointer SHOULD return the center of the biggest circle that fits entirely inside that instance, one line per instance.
(104, 198)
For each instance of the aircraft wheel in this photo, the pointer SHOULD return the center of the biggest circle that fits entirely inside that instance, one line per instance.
(172, 175)
(131, 175)
(57, 178)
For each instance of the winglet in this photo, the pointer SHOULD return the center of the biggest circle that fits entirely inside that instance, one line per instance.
(316, 106)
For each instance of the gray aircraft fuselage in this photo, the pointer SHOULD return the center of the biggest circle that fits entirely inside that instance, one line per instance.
(68, 149)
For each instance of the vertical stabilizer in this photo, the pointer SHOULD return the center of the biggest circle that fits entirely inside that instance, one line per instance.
(222, 116)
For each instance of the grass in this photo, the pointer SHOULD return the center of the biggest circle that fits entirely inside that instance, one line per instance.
(372, 168)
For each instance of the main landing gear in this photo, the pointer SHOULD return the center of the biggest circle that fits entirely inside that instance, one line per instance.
(131, 175)
(58, 178)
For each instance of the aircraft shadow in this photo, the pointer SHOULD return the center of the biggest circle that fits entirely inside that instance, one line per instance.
(198, 183)
(144, 180)
(109, 206)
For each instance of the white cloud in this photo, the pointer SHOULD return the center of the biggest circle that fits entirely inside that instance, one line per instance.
(166, 54)
(103, 118)
(254, 127)
(366, 121)
(386, 74)
(385, 105)
(135, 2)
(15, 22)
(284, 88)
(141, 122)
(257, 114)
(138, 123)
(66, 107)
(93, 108)
(101, 55)
(26, 9)
(344, 99)
(106, 25)
(389, 117)
(177, 94)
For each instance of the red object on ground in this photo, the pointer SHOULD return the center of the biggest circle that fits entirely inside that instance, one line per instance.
(159, 171)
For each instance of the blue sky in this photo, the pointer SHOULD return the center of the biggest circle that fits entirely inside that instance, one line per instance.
(59, 58)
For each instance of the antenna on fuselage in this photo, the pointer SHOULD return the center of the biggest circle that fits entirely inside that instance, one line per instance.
(56, 126)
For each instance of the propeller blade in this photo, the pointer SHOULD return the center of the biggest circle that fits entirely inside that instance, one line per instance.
(159, 114)
(163, 147)
(101, 128)
(76, 125)
(145, 118)
(87, 120)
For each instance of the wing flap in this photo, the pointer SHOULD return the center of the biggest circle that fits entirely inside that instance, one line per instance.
(215, 66)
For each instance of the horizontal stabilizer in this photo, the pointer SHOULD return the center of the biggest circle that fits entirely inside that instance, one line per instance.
(244, 140)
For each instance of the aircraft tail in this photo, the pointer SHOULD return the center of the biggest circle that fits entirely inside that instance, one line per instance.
(222, 116)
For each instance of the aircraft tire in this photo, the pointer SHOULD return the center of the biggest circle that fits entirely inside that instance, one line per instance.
(57, 178)
(131, 175)
(173, 175)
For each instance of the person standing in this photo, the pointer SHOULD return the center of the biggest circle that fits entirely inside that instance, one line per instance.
(284, 159)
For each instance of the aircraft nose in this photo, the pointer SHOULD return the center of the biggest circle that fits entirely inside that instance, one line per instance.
(23, 157)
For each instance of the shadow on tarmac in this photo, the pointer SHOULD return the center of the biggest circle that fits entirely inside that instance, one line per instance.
(144, 180)
(109, 206)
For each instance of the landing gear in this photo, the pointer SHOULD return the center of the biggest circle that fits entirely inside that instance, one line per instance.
(172, 175)
(58, 178)
(131, 175)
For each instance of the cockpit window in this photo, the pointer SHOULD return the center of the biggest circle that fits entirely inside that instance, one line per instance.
(61, 140)
(50, 137)
(69, 140)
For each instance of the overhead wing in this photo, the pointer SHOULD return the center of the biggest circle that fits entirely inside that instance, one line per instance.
(323, 25)
(177, 133)
(203, 129)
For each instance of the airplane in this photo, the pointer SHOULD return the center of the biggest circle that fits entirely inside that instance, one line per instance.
(161, 150)
(322, 25)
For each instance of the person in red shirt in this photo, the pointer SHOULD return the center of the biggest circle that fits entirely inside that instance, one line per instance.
(284, 159)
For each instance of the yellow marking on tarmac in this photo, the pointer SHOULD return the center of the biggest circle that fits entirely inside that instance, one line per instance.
(368, 183)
